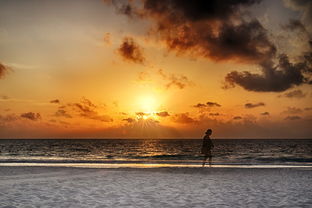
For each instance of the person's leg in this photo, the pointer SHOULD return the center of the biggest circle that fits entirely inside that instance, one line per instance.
(205, 159)
(210, 160)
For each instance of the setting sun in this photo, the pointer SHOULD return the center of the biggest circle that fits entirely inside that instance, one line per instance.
(147, 103)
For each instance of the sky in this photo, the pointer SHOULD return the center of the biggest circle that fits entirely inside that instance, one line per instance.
(155, 69)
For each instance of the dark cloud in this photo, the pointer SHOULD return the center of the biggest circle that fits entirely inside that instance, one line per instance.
(218, 30)
(56, 101)
(292, 118)
(305, 6)
(265, 114)
(213, 29)
(163, 114)
(295, 24)
(237, 118)
(294, 94)
(129, 120)
(62, 113)
(308, 109)
(131, 51)
(31, 116)
(274, 78)
(254, 105)
(208, 104)
(3, 70)
(183, 118)
(179, 81)
(214, 114)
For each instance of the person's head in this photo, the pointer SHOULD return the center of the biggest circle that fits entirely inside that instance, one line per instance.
(209, 132)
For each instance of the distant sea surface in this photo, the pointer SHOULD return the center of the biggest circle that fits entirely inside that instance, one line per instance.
(184, 152)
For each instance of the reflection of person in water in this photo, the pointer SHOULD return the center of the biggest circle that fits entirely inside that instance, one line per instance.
(207, 146)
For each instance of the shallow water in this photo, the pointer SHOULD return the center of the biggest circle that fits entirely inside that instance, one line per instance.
(156, 151)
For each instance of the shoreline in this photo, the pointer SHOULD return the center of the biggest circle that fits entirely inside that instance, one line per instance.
(155, 165)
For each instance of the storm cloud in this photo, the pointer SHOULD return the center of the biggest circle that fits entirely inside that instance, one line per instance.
(219, 30)
(212, 29)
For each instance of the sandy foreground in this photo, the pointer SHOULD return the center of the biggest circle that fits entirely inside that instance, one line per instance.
(155, 187)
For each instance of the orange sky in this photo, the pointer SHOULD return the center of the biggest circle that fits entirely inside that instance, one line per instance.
(96, 69)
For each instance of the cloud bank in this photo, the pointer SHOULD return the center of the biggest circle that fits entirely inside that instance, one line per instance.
(220, 30)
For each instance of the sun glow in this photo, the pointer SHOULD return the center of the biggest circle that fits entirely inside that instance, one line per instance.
(147, 103)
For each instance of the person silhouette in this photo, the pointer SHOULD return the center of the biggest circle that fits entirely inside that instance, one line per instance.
(207, 147)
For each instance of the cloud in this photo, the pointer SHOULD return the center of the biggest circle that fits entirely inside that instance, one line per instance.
(31, 116)
(292, 110)
(295, 24)
(213, 104)
(219, 30)
(129, 120)
(163, 114)
(214, 114)
(292, 118)
(183, 118)
(294, 94)
(141, 114)
(305, 6)
(56, 101)
(131, 51)
(212, 29)
(179, 81)
(265, 114)
(85, 109)
(208, 104)
(308, 108)
(237, 118)
(274, 78)
(254, 105)
(3, 70)
(62, 113)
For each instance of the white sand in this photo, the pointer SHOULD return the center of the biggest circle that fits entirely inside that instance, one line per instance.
(155, 187)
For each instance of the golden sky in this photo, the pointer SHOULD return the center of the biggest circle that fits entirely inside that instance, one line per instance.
(155, 69)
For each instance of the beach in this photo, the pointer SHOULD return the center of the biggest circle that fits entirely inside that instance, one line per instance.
(155, 187)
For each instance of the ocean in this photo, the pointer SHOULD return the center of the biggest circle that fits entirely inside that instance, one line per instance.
(153, 152)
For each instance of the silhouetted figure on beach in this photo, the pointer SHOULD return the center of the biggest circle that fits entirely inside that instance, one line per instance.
(207, 147)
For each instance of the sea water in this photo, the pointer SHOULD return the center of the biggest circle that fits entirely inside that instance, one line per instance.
(155, 152)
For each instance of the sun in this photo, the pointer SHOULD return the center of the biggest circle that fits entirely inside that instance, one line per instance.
(147, 106)
(147, 103)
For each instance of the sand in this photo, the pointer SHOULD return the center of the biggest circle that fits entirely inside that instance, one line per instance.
(155, 187)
